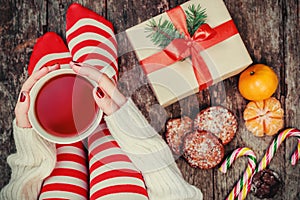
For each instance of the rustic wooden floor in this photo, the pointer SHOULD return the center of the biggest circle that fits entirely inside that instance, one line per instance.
(269, 28)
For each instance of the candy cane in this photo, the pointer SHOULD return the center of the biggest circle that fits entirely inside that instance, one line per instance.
(295, 156)
(246, 188)
(292, 132)
(244, 183)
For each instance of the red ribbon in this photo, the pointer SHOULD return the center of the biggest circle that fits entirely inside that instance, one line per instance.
(179, 49)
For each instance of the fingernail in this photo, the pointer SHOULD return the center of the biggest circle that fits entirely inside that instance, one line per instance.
(78, 65)
(22, 97)
(74, 61)
(100, 93)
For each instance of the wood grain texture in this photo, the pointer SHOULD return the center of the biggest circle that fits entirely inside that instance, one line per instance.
(269, 29)
(21, 22)
(290, 93)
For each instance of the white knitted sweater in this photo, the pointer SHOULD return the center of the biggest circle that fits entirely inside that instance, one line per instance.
(30, 165)
(35, 158)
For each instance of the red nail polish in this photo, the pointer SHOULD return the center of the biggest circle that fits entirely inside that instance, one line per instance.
(100, 93)
(22, 97)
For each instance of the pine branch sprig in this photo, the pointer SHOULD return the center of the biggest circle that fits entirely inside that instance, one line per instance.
(195, 17)
(163, 33)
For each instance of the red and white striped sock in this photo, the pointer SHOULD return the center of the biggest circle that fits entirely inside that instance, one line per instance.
(69, 178)
(91, 39)
(112, 174)
(49, 49)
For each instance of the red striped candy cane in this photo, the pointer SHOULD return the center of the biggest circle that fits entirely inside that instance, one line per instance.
(292, 132)
(243, 184)
(295, 156)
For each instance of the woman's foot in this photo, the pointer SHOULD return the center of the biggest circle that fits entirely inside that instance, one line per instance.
(91, 39)
(49, 49)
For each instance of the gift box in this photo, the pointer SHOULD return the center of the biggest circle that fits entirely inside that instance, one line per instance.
(190, 63)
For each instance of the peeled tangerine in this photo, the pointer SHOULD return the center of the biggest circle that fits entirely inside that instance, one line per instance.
(264, 117)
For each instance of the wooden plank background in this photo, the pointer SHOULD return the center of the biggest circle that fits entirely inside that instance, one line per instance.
(269, 28)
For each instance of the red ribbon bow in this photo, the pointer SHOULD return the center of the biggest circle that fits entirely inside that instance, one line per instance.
(178, 49)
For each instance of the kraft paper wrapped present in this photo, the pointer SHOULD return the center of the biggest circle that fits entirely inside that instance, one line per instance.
(215, 52)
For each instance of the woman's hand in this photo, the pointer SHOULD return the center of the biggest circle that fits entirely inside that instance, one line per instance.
(22, 106)
(107, 96)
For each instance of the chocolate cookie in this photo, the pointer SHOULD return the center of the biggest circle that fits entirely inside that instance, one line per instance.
(265, 184)
(202, 149)
(219, 121)
(176, 130)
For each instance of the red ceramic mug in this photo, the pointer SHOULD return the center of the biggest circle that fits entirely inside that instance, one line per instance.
(62, 108)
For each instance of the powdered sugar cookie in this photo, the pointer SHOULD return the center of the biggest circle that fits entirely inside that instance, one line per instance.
(202, 149)
(219, 121)
(176, 130)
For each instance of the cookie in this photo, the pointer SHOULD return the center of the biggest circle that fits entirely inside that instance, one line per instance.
(176, 130)
(202, 149)
(219, 121)
(265, 184)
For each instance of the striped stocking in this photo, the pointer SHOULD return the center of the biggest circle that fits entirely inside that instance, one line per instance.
(91, 39)
(69, 179)
(112, 175)
(49, 50)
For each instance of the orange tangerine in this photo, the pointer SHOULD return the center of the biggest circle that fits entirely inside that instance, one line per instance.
(258, 82)
(264, 117)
